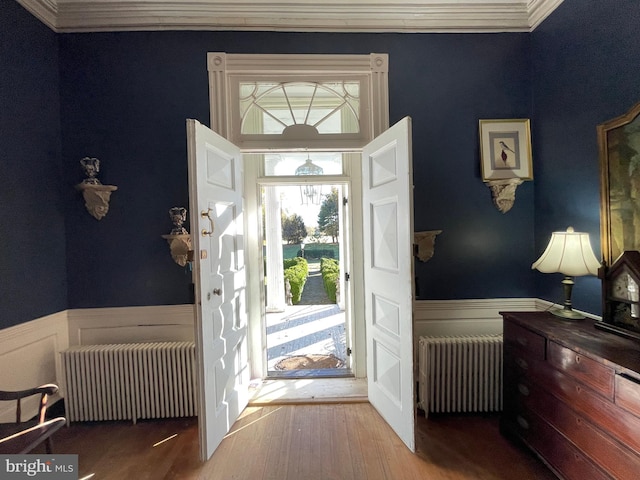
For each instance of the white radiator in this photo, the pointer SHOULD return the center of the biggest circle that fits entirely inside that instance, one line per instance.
(460, 374)
(130, 381)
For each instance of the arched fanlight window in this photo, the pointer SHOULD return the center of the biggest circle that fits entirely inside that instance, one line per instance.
(300, 109)
(298, 102)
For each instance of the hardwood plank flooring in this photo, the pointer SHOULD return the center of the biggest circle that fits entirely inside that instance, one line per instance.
(302, 442)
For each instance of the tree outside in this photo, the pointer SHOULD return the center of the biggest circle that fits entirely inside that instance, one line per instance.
(293, 229)
(328, 220)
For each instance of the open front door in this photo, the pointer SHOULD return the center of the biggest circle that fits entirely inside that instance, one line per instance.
(388, 272)
(216, 218)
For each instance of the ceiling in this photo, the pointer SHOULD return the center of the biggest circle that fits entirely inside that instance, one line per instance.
(470, 16)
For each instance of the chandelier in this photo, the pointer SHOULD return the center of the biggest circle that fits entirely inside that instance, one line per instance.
(310, 194)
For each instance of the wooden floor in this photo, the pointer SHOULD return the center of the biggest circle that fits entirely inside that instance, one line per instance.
(301, 442)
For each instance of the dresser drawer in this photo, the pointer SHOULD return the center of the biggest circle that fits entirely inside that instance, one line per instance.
(520, 338)
(597, 445)
(596, 375)
(608, 416)
(628, 393)
(557, 452)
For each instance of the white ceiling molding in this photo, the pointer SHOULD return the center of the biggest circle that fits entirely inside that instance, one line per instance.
(464, 16)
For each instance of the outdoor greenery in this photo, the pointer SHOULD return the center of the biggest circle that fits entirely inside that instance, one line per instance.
(293, 228)
(312, 251)
(328, 216)
(330, 270)
(296, 271)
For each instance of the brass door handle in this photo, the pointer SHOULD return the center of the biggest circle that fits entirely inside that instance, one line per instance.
(207, 214)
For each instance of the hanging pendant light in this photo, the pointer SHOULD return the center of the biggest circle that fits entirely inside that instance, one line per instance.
(309, 193)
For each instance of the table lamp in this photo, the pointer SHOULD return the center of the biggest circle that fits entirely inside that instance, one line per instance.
(568, 253)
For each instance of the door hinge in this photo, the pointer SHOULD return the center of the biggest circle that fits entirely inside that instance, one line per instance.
(348, 352)
(346, 276)
(345, 200)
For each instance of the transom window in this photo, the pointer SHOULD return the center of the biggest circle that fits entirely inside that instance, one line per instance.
(298, 102)
(303, 109)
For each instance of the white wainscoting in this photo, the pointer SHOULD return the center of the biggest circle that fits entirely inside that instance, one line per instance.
(160, 323)
(472, 317)
(30, 352)
(29, 358)
(466, 317)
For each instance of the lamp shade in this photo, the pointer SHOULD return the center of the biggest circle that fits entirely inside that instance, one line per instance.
(569, 253)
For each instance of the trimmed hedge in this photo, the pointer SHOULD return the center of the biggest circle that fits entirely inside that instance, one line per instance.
(330, 270)
(317, 252)
(296, 270)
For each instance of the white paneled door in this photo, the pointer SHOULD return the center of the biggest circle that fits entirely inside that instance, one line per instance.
(388, 272)
(216, 221)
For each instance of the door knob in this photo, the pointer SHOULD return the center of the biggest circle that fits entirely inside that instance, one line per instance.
(217, 291)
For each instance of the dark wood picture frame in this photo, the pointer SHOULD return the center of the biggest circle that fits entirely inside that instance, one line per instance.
(619, 146)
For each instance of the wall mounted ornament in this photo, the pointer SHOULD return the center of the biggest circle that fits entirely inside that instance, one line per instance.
(179, 239)
(96, 195)
(505, 158)
(424, 244)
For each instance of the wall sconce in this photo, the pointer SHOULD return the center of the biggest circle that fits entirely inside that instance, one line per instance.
(568, 253)
(179, 239)
(96, 196)
(424, 244)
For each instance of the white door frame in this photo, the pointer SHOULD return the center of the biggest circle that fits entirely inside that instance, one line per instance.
(223, 68)
(347, 287)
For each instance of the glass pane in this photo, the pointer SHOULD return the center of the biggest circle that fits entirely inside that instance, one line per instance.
(329, 107)
(302, 164)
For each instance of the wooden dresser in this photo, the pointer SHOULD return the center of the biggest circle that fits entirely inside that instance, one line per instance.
(572, 394)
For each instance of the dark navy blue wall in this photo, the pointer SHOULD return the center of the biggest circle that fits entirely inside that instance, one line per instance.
(585, 64)
(32, 229)
(126, 96)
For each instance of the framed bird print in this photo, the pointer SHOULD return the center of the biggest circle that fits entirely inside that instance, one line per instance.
(505, 149)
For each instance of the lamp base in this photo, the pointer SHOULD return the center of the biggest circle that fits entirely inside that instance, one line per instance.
(567, 314)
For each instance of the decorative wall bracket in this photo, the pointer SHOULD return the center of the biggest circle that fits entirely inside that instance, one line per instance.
(424, 244)
(179, 239)
(504, 192)
(96, 198)
(180, 246)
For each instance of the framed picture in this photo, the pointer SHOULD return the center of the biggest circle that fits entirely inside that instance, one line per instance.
(619, 144)
(505, 149)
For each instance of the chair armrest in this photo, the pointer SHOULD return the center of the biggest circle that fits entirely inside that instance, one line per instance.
(43, 390)
(48, 389)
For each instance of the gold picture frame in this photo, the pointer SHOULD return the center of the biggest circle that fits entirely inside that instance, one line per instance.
(505, 149)
(619, 150)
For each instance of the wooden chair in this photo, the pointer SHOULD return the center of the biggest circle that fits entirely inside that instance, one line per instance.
(22, 437)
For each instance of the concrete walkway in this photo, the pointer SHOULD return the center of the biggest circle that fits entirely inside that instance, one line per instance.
(314, 326)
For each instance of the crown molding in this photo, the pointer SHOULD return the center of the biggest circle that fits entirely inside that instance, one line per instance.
(414, 16)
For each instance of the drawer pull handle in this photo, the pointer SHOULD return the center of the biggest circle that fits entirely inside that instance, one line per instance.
(522, 422)
(523, 389)
(522, 363)
(578, 359)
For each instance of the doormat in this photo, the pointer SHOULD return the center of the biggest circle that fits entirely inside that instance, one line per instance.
(309, 362)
